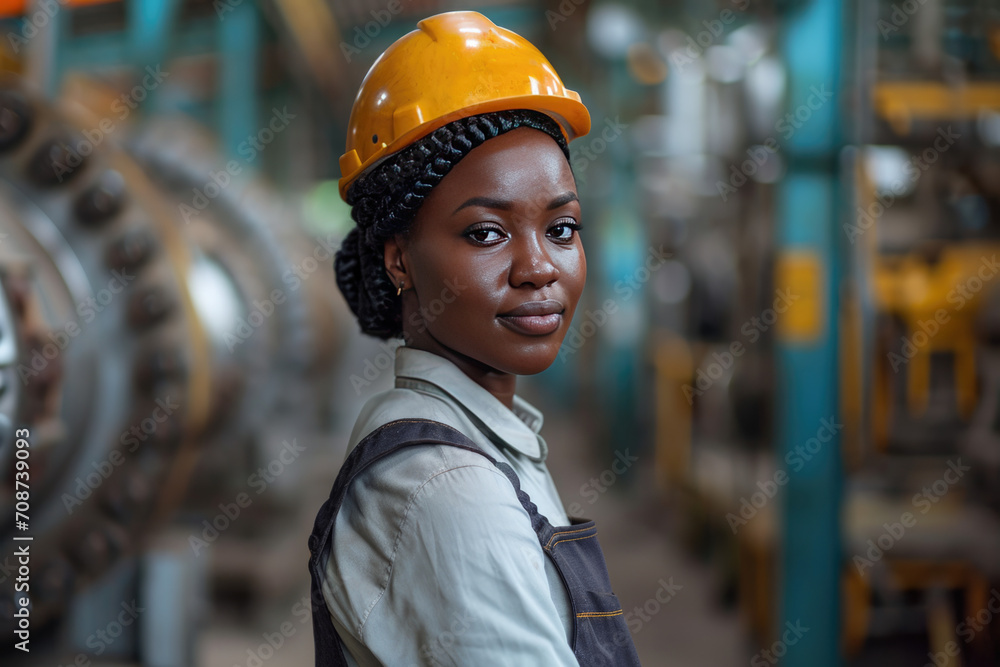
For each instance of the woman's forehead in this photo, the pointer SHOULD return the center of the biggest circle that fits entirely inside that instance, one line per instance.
(519, 162)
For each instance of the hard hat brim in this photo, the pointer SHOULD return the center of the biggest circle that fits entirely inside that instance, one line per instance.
(569, 112)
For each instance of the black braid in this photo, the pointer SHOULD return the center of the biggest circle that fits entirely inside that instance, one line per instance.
(385, 200)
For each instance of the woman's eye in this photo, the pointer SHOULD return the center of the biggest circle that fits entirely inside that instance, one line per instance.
(564, 231)
(486, 235)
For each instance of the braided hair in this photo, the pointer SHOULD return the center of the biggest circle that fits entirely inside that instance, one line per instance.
(385, 200)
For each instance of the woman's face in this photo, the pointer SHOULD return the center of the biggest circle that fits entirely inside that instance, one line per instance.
(494, 257)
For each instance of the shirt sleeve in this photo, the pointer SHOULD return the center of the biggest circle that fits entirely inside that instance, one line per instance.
(468, 583)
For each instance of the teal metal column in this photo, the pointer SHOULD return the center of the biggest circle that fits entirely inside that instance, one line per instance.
(150, 30)
(622, 275)
(40, 46)
(808, 633)
(239, 49)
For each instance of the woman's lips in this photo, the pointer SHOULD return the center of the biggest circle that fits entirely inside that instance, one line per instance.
(532, 325)
(534, 318)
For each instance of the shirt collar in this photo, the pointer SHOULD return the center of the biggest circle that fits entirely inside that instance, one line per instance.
(516, 428)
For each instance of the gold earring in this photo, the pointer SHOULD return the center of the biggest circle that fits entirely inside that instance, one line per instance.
(399, 290)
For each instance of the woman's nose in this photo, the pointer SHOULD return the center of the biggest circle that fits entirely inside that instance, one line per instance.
(532, 263)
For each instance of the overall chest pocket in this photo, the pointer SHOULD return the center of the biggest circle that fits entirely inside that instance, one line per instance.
(580, 560)
(600, 634)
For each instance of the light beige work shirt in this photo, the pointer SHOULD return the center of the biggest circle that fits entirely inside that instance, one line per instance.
(434, 560)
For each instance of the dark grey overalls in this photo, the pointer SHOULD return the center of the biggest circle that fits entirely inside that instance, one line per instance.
(600, 636)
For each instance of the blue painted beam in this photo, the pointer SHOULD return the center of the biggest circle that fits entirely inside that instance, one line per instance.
(90, 52)
(239, 52)
(150, 30)
(812, 45)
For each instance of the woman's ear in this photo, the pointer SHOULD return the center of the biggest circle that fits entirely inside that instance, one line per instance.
(395, 264)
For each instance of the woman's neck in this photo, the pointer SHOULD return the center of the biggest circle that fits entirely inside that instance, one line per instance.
(501, 385)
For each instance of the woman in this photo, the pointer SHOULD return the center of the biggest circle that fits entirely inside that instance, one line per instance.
(444, 540)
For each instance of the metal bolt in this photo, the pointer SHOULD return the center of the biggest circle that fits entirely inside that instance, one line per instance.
(157, 367)
(131, 250)
(15, 119)
(55, 163)
(102, 201)
(149, 307)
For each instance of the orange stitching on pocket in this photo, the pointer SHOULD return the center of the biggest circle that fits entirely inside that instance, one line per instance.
(548, 547)
(599, 614)
(568, 532)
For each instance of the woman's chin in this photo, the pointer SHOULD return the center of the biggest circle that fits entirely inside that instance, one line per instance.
(534, 361)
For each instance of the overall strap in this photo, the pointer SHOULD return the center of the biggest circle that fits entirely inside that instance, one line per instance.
(378, 444)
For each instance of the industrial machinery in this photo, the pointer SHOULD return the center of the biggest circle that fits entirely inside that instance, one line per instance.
(150, 355)
(852, 164)
(922, 230)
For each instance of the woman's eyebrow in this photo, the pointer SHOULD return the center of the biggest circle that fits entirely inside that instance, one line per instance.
(562, 200)
(504, 205)
(486, 202)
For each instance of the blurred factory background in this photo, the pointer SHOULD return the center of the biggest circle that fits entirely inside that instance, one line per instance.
(780, 397)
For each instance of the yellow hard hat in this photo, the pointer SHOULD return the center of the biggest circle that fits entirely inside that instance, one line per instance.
(455, 65)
